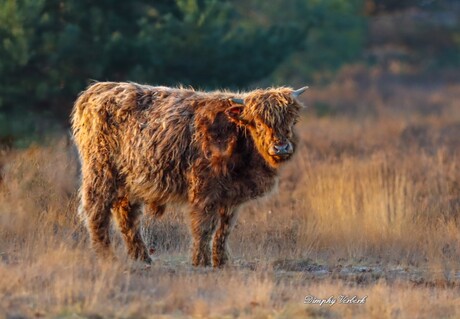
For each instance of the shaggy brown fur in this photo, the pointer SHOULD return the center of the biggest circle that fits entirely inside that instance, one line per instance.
(152, 146)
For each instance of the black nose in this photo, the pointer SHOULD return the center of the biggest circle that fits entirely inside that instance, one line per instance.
(282, 149)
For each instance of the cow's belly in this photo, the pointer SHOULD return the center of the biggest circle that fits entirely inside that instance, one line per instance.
(156, 182)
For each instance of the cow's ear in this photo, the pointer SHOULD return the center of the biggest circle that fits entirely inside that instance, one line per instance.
(234, 113)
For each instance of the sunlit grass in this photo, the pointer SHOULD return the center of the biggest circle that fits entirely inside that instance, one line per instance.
(371, 193)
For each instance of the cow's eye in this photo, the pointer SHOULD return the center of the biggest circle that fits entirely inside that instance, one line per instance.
(259, 125)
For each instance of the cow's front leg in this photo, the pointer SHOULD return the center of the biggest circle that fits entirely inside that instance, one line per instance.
(220, 255)
(204, 222)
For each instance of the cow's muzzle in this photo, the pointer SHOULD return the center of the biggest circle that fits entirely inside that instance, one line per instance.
(281, 149)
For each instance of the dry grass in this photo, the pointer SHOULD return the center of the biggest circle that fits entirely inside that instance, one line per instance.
(369, 207)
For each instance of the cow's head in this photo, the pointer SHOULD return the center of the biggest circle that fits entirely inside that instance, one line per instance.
(269, 115)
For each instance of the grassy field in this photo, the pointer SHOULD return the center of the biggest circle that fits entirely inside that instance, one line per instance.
(369, 207)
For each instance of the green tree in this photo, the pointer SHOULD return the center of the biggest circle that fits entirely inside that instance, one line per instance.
(50, 49)
(336, 35)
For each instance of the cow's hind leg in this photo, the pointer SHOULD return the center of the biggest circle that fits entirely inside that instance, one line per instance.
(95, 208)
(127, 218)
(219, 249)
(204, 222)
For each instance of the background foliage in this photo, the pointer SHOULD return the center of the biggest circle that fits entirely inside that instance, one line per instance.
(51, 49)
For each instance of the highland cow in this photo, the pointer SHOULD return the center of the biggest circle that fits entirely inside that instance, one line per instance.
(144, 147)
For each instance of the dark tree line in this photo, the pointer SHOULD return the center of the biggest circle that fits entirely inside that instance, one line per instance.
(51, 49)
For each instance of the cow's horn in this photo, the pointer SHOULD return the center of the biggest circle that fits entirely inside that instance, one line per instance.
(237, 101)
(298, 92)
